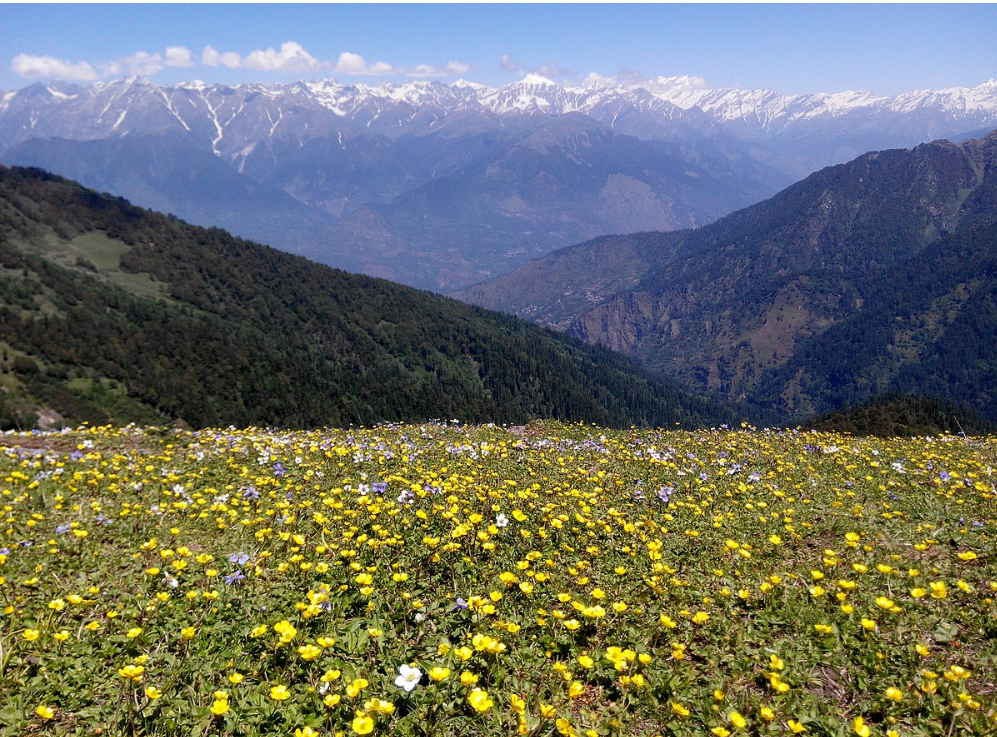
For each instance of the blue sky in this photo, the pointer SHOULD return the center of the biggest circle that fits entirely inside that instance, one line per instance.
(790, 49)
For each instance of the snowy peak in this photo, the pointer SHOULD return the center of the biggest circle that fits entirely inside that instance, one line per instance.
(532, 80)
(674, 109)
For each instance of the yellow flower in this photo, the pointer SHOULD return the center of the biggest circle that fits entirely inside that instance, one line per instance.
(45, 712)
(766, 713)
(31, 635)
(701, 617)
(61, 635)
(737, 720)
(517, 703)
(438, 673)
(585, 661)
(468, 679)
(795, 727)
(382, 707)
(860, 727)
(479, 700)
(356, 687)
(279, 693)
(575, 690)
(720, 731)
(187, 633)
(152, 692)
(332, 700)
(968, 555)
(133, 672)
(134, 632)
(894, 694)
(868, 624)
(305, 732)
(564, 727)
(235, 678)
(363, 724)
(680, 710)
(884, 603)
(219, 707)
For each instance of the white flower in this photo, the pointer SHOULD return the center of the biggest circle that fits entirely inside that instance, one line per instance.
(501, 520)
(408, 677)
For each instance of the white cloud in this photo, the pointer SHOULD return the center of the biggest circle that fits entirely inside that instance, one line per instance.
(595, 78)
(452, 69)
(350, 64)
(178, 56)
(550, 70)
(212, 58)
(36, 67)
(291, 58)
(355, 65)
(142, 63)
(510, 65)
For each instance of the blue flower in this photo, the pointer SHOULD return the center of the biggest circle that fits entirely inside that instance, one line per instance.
(238, 559)
(234, 578)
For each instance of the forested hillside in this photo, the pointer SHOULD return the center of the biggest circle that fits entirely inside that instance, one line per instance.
(874, 276)
(110, 312)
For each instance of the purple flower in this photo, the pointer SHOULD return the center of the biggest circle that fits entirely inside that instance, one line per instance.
(278, 469)
(234, 578)
(665, 493)
(238, 559)
(63, 529)
(461, 604)
(380, 487)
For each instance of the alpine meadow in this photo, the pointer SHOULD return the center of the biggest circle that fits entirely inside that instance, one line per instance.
(449, 370)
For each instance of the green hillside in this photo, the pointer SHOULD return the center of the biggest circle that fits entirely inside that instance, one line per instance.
(113, 313)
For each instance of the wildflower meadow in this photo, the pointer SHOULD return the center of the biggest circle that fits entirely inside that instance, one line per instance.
(442, 579)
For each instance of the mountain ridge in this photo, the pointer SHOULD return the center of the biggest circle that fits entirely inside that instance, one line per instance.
(771, 303)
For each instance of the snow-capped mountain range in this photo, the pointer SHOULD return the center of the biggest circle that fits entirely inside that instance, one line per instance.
(104, 109)
(515, 170)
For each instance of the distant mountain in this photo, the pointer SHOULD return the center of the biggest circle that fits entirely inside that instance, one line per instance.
(445, 185)
(168, 173)
(113, 313)
(873, 276)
